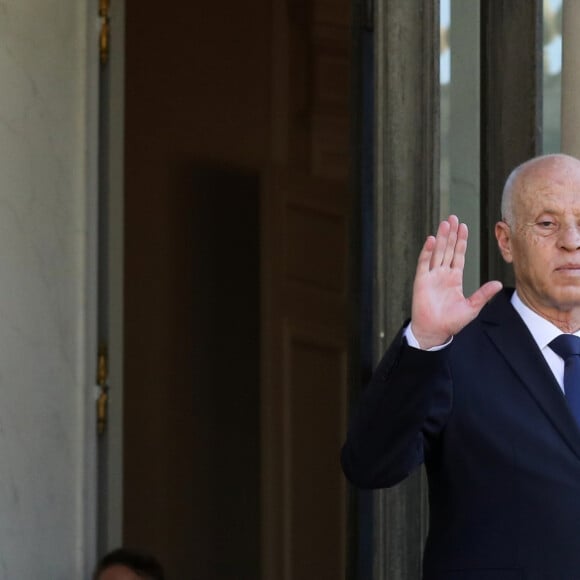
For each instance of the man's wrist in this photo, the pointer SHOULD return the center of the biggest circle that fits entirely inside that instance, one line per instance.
(413, 342)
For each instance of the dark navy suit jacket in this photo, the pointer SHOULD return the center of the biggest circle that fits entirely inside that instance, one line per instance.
(500, 447)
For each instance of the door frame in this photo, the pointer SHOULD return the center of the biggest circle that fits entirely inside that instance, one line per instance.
(111, 317)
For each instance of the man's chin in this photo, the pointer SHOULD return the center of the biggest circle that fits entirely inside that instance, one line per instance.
(568, 298)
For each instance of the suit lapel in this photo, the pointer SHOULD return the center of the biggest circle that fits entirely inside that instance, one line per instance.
(515, 343)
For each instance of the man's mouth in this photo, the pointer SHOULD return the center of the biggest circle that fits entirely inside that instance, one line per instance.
(569, 269)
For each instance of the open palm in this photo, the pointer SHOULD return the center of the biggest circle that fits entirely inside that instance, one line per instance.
(440, 309)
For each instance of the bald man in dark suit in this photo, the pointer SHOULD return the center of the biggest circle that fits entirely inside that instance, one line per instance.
(478, 390)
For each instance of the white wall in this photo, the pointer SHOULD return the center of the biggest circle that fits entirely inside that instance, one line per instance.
(47, 244)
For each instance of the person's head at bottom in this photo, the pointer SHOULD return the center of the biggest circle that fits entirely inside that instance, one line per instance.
(126, 564)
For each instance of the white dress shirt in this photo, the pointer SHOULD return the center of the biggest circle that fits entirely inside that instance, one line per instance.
(542, 331)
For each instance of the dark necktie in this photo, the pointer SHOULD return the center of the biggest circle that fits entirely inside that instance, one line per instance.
(568, 347)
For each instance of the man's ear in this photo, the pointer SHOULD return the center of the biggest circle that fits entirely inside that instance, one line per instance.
(503, 237)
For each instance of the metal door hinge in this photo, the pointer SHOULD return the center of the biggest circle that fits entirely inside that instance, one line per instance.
(105, 34)
(103, 399)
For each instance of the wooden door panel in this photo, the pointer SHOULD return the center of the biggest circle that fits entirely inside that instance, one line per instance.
(314, 411)
(305, 241)
(304, 274)
(316, 265)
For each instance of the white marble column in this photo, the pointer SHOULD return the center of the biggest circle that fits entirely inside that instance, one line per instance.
(570, 140)
(47, 286)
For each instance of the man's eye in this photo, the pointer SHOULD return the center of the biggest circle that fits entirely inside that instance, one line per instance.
(545, 227)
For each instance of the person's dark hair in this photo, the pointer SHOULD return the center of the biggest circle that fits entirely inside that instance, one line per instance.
(145, 565)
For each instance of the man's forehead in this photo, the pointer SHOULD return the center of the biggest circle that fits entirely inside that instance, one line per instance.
(547, 201)
(537, 184)
(547, 194)
(552, 172)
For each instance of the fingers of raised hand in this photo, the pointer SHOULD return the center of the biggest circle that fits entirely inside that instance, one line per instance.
(450, 244)
(458, 260)
(424, 261)
(441, 239)
(450, 248)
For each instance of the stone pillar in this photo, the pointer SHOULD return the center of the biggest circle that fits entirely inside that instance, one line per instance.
(406, 210)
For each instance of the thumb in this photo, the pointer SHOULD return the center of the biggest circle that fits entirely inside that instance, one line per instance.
(484, 294)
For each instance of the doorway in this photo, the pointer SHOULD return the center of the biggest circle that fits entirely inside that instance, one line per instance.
(235, 241)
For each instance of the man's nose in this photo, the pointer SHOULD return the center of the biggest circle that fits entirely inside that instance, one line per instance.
(570, 237)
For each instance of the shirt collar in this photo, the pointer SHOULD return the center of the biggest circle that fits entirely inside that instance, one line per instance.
(542, 331)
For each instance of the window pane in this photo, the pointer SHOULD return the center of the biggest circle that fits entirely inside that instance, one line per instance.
(460, 122)
(552, 81)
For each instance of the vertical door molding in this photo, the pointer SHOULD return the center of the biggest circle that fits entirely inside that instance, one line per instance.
(304, 238)
(110, 283)
(305, 234)
(511, 112)
(407, 209)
